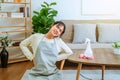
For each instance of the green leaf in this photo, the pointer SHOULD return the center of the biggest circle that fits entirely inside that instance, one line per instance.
(42, 5)
(4, 41)
(116, 45)
(35, 12)
(53, 3)
(46, 4)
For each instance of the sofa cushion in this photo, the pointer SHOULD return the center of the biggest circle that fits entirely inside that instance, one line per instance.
(108, 32)
(83, 31)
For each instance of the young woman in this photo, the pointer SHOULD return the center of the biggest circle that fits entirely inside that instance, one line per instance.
(46, 48)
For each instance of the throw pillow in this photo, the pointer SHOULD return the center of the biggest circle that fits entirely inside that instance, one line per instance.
(83, 31)
(108, 32)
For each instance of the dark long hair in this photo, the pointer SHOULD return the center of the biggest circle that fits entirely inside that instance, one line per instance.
(60, 23)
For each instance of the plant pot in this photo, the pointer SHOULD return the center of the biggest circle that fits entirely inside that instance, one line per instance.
(4, 58)
(116, 51)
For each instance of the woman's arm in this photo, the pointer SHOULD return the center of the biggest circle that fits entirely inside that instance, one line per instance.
(65, 47)
(24, 47)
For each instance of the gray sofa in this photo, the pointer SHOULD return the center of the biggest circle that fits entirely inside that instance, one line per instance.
(101, 32)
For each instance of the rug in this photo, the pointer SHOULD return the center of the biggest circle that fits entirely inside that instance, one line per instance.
(91, 75)
(86, 75)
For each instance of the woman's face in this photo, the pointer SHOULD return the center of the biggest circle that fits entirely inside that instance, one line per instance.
(56, 30)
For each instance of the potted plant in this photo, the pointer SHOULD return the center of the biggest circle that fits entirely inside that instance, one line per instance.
(1, 1)
(116, 46)
(4, 42)
(43, 19)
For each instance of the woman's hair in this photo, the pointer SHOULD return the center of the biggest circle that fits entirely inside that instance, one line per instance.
(60, 23)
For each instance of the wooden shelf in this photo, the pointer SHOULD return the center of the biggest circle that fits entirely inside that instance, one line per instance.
(14, 46)
(12, 26)
(16, 26)
(14, 17)
(22, 31)
(15, 3)
(17, 60)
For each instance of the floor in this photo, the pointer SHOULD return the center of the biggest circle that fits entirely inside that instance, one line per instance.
(16, 70)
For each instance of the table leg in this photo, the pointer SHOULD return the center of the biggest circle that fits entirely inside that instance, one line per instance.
(103, 69)
(78, 71)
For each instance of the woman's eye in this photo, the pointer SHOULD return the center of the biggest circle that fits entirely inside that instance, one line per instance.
(57, 26)
(60, 30)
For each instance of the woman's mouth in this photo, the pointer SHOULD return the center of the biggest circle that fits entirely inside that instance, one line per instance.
(55, 32)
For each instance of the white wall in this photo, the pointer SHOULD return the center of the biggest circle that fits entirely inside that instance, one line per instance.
(72, 10)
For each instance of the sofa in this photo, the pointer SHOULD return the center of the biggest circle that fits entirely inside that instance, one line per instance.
(102, 33)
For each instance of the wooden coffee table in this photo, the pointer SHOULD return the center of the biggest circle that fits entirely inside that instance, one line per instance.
(103, 57)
